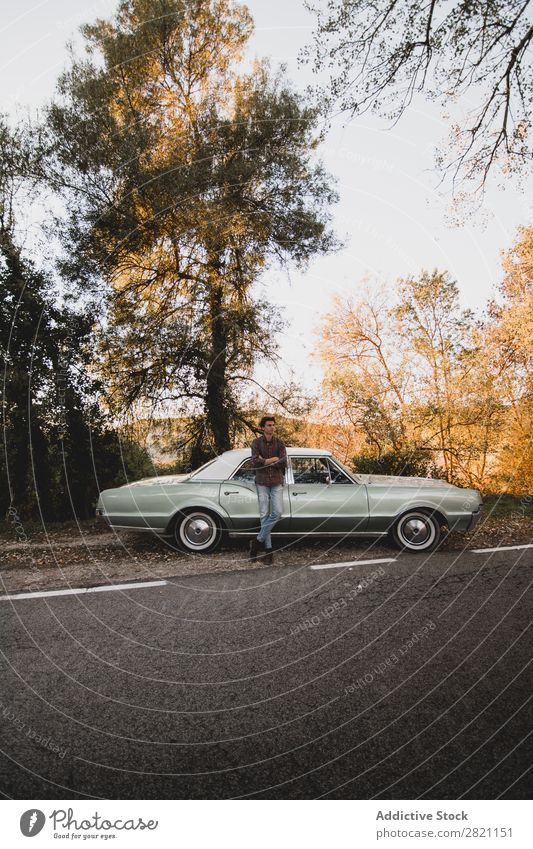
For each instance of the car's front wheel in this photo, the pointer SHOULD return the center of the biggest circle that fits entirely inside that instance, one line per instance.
(417, 531)
(197, 530)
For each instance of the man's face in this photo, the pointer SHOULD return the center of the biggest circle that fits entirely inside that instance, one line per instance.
(269, 429)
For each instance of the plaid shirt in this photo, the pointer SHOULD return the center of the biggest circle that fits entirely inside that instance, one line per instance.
(271, 475)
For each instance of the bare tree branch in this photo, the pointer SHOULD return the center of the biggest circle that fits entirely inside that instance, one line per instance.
(381, 53)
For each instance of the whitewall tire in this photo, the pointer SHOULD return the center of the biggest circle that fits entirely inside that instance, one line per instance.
(417, 530)
(197, 530)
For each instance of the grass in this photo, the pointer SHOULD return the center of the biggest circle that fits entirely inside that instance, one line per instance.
(514, 506)
(13, 532)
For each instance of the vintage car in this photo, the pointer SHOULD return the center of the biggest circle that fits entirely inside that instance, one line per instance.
(321, 497)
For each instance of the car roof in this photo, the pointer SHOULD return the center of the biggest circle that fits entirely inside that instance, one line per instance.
(239, 453)
(226, 463)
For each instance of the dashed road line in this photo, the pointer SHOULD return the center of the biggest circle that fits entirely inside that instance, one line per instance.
(500, 548)
(352, 563)
(103, 589)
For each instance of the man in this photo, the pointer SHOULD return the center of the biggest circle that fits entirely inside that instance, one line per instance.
(270, 461)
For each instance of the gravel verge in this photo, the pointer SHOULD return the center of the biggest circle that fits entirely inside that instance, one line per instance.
(91, 555)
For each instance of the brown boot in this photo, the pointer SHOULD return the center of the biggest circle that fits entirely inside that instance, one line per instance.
(269, 557)
(254, 549)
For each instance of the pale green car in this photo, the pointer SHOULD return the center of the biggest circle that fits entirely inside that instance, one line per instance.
(321, 498)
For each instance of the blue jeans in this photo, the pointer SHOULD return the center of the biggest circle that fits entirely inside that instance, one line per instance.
(270, 510)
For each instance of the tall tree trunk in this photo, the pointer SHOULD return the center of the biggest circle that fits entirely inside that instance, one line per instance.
(40, 467)
(18, 465)
(217, 380)
(17, 438)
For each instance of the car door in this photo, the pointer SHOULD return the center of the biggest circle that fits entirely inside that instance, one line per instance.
(238, 497)
(323, 499)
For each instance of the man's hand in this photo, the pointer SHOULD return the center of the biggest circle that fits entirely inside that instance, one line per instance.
(271, 460)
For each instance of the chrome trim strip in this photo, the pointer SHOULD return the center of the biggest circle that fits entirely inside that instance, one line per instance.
(312, 533)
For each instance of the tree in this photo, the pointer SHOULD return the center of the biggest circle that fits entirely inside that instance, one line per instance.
(382, 53)
(185, 180)
(417, 379)
(57, 447)
(513, 315)
(16, 154)
(25, 467)
(22, 313)
(509, 335)
(439, 333)
(365, 370)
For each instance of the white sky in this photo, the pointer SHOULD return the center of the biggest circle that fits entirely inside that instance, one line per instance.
(391, 214)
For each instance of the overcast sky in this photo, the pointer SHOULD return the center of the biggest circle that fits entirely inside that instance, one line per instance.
(392, 214)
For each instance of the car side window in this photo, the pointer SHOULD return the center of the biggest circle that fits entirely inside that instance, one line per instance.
(245, 472)
(310, 470)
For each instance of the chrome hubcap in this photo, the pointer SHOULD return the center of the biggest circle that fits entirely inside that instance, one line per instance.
(197, 531)
(416, 531)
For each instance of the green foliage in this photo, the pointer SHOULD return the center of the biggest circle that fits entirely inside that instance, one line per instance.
(498, 505)
(118, 460)
(57, 448)
(406, 464)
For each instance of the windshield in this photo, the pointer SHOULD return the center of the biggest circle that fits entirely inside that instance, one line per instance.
(348, 471)
(205, 466)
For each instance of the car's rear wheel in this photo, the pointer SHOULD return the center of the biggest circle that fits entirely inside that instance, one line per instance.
(417, 530)
(197, 530)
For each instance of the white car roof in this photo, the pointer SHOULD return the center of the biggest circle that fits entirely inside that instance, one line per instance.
(224, 465)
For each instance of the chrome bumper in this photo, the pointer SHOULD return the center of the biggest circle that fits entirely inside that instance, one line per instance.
(475, 519)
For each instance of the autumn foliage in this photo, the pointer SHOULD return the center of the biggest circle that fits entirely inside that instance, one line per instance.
(421, 377)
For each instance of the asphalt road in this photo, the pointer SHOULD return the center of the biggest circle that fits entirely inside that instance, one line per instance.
(397, 680)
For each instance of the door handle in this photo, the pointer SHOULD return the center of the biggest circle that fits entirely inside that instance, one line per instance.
(299, 493)
(231, 492)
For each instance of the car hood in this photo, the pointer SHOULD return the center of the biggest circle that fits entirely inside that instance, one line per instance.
(159, 480)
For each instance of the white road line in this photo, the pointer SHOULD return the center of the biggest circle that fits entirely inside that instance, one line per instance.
(104, 589)
(501, 548)
(353, 563)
